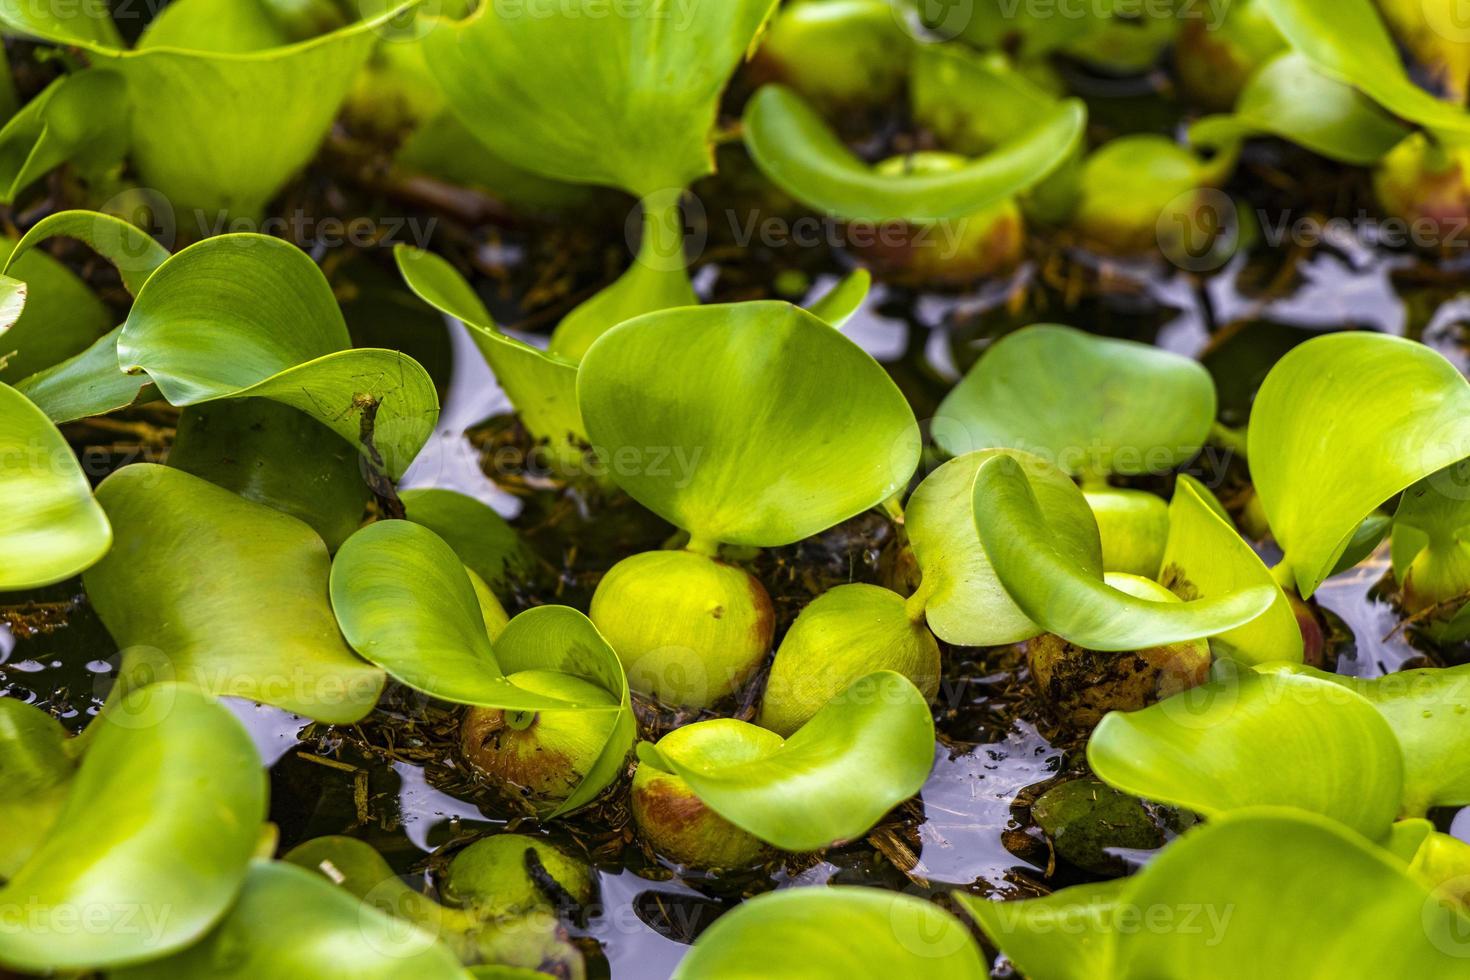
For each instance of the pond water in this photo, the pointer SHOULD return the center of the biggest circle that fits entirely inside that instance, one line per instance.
(393, 781)
(967, 829)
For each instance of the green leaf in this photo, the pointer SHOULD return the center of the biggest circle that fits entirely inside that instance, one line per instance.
(796, 150)
(1427, 710)
(627, 100)
(1065, 597)
(132, 250)
(486, 544)
(1289, 98)
(964, 602)
(972, 101)
(85, 384)
(1347, 41)
(1248, 739)
(52, 528)
(1027, 931)
(562, 639)
(220, 132)
(713, 418)
(60, 24)
(502, 934)
(36, 769)
(248, 315)
(152, 842)
(838, 304)
(290, 922)
(274, 455)
(1206, 557)
(541, 386)
(81, 118)
(1268, 891)
(1430, 550)
(867, 750)
(49, 315)
(231, 593)
(841, 931)
(1325, 451)
(1086, 404)
(405, 603)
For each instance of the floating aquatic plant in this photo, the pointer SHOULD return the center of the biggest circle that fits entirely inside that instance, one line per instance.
(1095, 408)
(557, 725)
(848, 930)
(207, 105)
(865, 751)
(710, 417)
(1303, 893)
(157, 818)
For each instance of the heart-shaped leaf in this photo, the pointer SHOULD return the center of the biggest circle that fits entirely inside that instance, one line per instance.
(541, 386)
(1289, 98)
(1248, 739)
(53, 528)
(1205, 557)
(1349, 42)
(289, 922)
(1426, 709)
(1069, 599)
(1325, 451)
(247, 315)
(835, 932)
(1086, 404)
(796, 150)
(405, 603)
(152, 842)
(233, 594)
(712, 418)
(864, 752)
(964, 602)
(627, 101)
(1266, 890)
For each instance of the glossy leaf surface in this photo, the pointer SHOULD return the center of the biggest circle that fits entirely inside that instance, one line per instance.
(1326, 451)
(713, 418)
(53, 528)
(152, 842)
(233, 594)
(867, 750)
(796, 150)
(1071, 600)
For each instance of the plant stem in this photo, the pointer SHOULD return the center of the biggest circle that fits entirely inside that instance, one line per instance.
(915, 604)
(701, 545)
(1282, 573)
(1228, 438)
(894, 509)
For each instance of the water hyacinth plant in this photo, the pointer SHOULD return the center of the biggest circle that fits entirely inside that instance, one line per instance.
(1007, 518)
